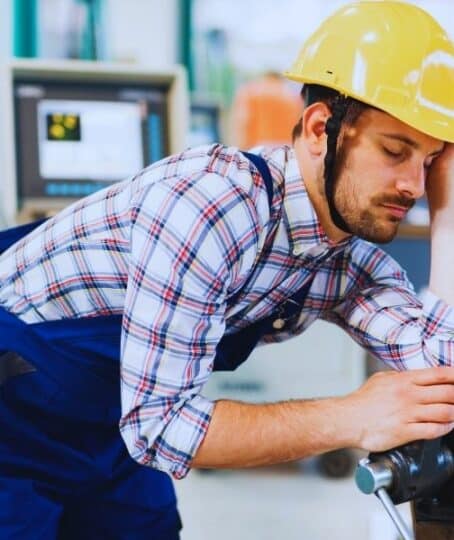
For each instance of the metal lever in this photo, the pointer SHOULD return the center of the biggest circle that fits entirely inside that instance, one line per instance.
(400, 524)
(375, 478)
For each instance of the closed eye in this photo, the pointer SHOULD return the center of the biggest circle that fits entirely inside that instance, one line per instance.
(392, 153)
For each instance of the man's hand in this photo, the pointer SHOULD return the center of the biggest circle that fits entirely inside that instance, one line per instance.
(440, 193)
(440, 188)
(393, 408)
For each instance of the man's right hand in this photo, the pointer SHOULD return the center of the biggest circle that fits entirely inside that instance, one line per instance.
(390, 409)
(393, 408)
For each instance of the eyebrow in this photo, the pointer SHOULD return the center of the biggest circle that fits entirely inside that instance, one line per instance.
(410, 142)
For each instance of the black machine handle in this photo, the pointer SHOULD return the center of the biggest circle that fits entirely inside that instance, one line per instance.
(421, 471)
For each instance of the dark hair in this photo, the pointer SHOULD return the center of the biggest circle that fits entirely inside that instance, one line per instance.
(311, 93)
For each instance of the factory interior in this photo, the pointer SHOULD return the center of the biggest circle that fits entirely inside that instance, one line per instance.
(95, 91)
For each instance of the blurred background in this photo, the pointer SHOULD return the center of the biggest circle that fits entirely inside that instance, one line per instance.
(92, 91)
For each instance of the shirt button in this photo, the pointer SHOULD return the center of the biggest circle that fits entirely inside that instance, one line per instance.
(279, 324)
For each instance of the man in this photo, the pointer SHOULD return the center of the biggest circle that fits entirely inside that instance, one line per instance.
(197, 263)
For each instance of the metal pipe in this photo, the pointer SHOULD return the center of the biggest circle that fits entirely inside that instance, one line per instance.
(382, 494)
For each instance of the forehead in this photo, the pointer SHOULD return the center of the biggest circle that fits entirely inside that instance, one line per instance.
(373, 122)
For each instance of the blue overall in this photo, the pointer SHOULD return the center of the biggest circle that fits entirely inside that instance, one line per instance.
(64, 469)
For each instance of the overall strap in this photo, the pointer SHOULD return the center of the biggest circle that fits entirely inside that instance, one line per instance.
(262, 166)
(233, 349)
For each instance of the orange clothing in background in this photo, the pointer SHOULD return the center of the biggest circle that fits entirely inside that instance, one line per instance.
(265, 112)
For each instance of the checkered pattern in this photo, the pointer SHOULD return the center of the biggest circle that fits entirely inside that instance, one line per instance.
(189, 250)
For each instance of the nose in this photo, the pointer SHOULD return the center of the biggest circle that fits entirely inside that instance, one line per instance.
(412, 181)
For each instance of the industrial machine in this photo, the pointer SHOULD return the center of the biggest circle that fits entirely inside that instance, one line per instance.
(421, 472)
(76, 126)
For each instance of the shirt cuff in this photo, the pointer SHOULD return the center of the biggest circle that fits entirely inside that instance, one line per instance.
(175, 448)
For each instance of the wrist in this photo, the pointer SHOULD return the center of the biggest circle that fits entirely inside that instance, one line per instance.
(349, 428)
(342, 428)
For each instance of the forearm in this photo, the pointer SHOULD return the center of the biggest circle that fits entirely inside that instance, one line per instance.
(389, 410)
(442, 261)
(440, 193)
(248, 435)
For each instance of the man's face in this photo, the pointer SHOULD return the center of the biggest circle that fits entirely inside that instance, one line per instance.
(381, 170)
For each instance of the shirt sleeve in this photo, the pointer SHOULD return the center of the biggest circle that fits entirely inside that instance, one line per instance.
(382, 312)
(192, 241)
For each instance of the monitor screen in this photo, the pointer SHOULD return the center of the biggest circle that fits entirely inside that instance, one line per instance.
(73, 138)
(89, 139)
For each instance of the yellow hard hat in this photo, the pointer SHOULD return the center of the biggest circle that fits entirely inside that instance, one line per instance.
(389, 54)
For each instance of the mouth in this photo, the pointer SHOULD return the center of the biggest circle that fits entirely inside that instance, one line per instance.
(398, 212)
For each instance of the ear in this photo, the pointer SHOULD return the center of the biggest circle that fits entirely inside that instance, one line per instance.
(314, 121)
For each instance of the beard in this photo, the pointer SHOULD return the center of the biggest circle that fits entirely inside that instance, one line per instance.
(368, 222)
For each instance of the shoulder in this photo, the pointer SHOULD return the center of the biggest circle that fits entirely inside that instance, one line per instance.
(211, 172)
(217, 159)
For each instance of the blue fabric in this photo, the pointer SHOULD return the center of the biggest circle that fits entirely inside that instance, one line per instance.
(64, 469)
(54, 347)
(66, 474)
(9, 237)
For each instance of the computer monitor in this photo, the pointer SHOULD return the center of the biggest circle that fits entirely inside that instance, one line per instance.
(80, 126)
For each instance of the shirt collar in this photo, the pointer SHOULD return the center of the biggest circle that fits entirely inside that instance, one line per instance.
(303, 226)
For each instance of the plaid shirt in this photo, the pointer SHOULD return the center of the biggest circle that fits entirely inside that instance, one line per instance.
(189, 250)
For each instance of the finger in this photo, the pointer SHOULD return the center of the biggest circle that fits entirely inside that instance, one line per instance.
(436, 375)
(434, 413)
(439, 393)
(427, 430)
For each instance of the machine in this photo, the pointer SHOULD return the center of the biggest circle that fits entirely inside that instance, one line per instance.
(421, 472)
(76, 127)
